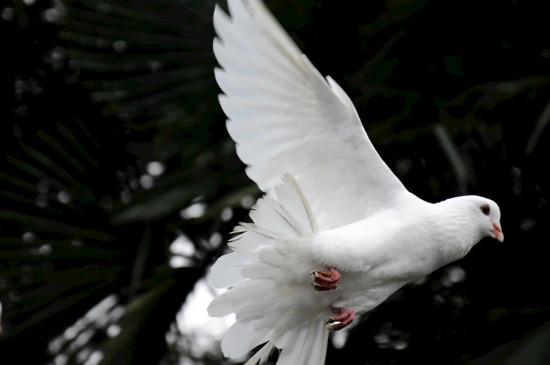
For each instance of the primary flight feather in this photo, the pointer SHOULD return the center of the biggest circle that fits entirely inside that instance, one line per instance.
(337, 232)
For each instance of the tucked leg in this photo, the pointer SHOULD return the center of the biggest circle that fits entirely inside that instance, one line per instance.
(342, 318)
(325, 280)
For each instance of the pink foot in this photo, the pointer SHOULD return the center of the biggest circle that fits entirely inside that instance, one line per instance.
(325, 280)
(342, 318)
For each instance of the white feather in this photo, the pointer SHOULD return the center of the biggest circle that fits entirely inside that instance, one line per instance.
(250, 242)
(262, 355)
(269, 270)
(237, 341)
(259, 270)
(269, 85)
(306, 346)
(237, 298)
(273, 216)
(332, 200)
(227, 270)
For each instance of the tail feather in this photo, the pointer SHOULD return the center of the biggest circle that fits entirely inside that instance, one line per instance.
(306, 346)
(262, 355)
(231, 273)
(259, 270)
(239, 297)
(292, 351)
(238, 340)
(246, 244)
(268, 282)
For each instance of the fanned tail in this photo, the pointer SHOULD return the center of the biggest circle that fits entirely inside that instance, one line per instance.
(262, 355)
(268, 278)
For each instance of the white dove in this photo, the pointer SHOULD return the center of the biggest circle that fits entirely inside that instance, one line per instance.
(335, 218)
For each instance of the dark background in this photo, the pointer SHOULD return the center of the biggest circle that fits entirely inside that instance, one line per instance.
(455, 96)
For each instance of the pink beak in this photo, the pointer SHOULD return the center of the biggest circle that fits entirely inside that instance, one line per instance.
(497, 230)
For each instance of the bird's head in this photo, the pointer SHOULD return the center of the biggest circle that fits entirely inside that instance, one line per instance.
(480, 213)
(491, 218)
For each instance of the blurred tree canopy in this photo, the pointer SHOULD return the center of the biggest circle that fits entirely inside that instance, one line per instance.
(115, 149)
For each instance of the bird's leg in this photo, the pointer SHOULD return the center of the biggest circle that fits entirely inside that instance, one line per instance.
(325, 280)
(342, 318)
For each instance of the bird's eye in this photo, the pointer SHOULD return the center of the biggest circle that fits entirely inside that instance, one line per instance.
(485, 209)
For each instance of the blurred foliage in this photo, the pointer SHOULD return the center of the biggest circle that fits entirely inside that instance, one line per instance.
(101, 94)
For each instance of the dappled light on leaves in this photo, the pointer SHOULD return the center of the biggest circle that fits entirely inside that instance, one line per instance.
(196, 334)
(453, 275)
(75, 344)
(155, 168)
(391, 338)
(182, 250)
(195, 210)
(7, 13)
(226, 214)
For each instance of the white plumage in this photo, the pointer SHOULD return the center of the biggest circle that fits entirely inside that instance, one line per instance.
(335, 215)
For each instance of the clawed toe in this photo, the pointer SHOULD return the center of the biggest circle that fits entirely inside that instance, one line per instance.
(342, 318)
(325, 280)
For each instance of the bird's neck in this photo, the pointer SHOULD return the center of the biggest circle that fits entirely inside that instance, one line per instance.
(459, 234)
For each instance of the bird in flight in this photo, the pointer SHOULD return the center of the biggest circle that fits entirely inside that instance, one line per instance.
(336, 232)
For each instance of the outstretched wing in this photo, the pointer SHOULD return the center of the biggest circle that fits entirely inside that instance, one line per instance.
(286, 118)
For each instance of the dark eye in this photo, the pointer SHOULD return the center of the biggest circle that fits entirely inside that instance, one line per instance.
(485, 209)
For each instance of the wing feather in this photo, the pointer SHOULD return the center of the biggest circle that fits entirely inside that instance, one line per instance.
(287, 118)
